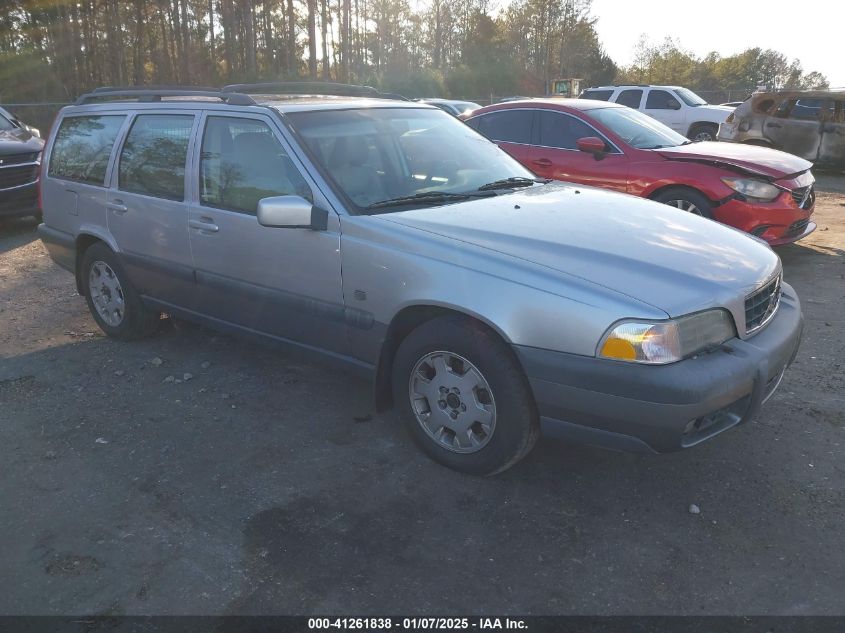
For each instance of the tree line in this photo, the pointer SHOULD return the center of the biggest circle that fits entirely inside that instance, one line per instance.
(57, 49)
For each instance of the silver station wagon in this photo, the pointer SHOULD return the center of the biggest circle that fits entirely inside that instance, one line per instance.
(487, 305)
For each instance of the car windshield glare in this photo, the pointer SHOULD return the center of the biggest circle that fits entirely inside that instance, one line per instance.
(637, 129)
(689, 97)
(376, 154)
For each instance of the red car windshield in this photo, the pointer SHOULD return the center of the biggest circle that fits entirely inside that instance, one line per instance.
(637, 129)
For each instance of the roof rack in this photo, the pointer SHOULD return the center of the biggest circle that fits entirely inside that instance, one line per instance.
(155, 93)
(311, 88)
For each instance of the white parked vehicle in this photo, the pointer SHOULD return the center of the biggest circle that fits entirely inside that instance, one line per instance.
(679, 108)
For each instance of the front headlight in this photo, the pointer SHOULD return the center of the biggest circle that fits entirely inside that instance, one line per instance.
(753, 188)
(662, 342)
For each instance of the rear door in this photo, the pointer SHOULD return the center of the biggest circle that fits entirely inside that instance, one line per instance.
(796, 126)
(666, 108)
(147, 206)
(557, 155)
(512, 130)
(832, 149)
(278, 281)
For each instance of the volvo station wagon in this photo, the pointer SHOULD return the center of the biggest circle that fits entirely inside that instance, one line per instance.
(488, 306)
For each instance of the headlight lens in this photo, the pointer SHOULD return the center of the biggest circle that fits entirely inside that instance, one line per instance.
(662, 342)
(753, 188)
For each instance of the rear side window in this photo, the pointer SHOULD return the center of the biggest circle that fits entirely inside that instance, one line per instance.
(242, 162)
(153, 158)
(562, 131)
(630, 98)
(661, 100)
(83, 147)
(509, 126)
(599, 95)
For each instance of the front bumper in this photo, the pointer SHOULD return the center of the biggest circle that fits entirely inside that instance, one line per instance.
(778, 222)
(647, 408)
(19, 201)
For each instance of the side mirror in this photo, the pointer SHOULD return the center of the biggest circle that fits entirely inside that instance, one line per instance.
(592, 145)
(291, 212)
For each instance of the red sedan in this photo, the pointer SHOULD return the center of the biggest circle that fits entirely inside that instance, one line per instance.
(756, 189)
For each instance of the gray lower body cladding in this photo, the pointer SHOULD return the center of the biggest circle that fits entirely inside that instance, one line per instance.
(665, 408)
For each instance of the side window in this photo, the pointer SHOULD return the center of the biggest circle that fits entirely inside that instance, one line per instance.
(661, 100)
(509, 126)
(783, 109)
(598, 95)
(242, 162)
(152, 161)
(630, 98)
(839, 116)
(83, 147)
(562, 131)
(807, 109)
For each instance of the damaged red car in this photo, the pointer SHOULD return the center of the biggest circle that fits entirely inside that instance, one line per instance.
(762, 191)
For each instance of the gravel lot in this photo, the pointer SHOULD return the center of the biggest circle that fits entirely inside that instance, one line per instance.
(262, 483)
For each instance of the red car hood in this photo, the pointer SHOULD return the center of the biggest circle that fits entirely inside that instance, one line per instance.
(761, 161)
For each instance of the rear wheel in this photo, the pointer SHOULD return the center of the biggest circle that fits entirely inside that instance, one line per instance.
(687, 200)
(703, 132)
(113, 301)
(463, 397)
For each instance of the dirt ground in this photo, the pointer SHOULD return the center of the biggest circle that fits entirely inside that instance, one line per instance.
(194, 473)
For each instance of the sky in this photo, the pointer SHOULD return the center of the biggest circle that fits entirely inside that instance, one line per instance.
(728, 27)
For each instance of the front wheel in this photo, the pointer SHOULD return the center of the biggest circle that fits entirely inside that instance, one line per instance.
(704, 132)
(686, 200)
(463, 397)
(113, 301)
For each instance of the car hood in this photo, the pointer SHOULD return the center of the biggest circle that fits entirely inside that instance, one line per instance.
(751, 159)
(18, 141)
(672, 260)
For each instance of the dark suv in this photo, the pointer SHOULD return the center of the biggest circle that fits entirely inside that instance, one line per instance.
(20, 163)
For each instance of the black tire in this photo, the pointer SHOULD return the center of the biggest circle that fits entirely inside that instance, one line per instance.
(673, 195)
(138, 321)
(516, 426)
(704, 132)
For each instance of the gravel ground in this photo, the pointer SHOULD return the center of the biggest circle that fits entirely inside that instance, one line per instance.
(254, 482)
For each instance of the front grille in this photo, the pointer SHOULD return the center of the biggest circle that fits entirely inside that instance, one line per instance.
(17, 159)
(796, 228)
(761, 305)
(16, 176)
(805, 197)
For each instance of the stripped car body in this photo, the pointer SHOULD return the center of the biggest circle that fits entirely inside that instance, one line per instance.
(809, 124)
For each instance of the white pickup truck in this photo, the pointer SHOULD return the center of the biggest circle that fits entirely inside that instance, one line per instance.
(679, 108)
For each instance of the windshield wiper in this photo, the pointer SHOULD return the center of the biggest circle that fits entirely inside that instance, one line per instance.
(515, 181)
(429, 197)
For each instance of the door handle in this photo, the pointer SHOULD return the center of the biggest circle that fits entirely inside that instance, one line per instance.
(773, 125)
(542, 162)
(117, 206)
(204, 224)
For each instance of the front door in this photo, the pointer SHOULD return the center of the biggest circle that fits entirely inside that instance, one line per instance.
(147, 209)
(666, 108)
(795, 127)
(277, 281)
(555, 153)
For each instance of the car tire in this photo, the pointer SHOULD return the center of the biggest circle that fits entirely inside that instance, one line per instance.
(112, 299)
(686, 200)
(703, 132)
(486, 428)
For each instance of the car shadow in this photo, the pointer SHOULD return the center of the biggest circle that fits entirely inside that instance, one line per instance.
(17, 232)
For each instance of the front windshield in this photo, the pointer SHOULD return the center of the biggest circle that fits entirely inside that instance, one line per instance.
(637, 129)
(689, 97)
(376, 154)
(6, 124)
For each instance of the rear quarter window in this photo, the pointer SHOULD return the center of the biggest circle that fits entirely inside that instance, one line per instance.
(83, 147)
